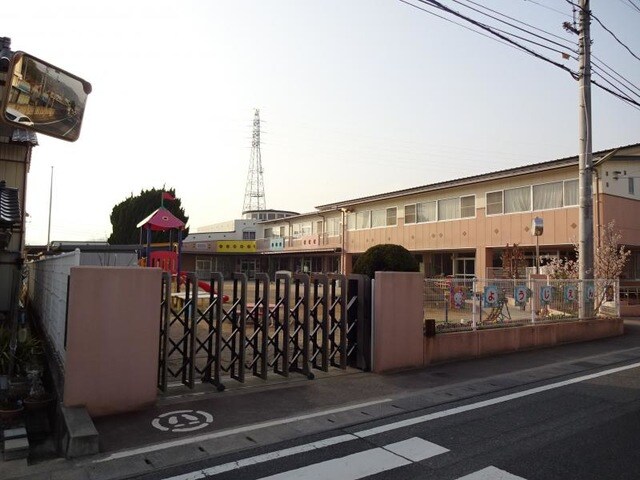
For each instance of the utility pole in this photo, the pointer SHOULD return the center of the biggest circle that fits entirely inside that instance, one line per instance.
(50, 203)
(585, 245)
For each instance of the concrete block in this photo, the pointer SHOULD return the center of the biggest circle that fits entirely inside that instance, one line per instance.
(12, 433)
(16, 448)
(80, 437)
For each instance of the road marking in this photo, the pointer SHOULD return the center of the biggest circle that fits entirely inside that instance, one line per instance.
(416, 449)
(368, 462)
(233, 431)
(182, 421)
(486, 403)
(490, 473)
(265, 457)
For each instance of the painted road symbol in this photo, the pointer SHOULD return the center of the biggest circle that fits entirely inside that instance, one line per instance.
(182, 421)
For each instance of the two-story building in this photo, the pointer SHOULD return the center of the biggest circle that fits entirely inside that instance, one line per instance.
(461, 227)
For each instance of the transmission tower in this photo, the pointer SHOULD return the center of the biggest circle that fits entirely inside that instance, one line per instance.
(254, 190)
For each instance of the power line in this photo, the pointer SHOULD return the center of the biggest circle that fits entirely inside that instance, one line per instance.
(438, 5)
(505, 39)
(549, 8)
(624, 98)
(600, 64)
(614, 36)
(514, 26)
(615, 87)
(630, 4)
(455, 23)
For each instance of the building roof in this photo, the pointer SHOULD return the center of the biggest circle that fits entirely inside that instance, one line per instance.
(161, 220)
(496, 175)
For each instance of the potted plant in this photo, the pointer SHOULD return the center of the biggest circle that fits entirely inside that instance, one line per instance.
(10, 405)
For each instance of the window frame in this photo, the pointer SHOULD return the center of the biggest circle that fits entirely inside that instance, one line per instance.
(486, 202)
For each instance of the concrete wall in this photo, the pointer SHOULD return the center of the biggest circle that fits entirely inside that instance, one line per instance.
(48, 281)
(397, 327)
(112, 339)
(449, 347)
(399, 342)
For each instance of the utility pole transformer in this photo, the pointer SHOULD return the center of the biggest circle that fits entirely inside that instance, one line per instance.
(585, 245)
(254, 190)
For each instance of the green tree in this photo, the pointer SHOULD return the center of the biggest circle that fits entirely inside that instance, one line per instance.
(385, 258)
(131, 211)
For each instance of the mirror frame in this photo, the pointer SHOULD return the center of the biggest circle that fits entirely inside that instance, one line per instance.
(4, 101)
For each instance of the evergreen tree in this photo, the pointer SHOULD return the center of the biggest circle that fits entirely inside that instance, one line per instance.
(131, 211)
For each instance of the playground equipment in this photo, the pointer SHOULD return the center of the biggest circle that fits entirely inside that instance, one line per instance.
(162, 220)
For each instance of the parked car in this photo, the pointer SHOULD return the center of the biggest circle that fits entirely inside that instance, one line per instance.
(18, 117)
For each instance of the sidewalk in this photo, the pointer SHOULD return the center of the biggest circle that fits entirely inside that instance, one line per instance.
(205, 424)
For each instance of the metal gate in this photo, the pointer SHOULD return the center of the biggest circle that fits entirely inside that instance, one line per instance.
(297, 324)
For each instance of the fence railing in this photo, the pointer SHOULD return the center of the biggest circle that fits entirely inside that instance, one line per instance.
(487, 303)
(299, 323)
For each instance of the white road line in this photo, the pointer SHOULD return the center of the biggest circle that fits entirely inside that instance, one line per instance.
(265, 457)
(486, 403)
(233, 431)
(368, 462)
(491, 473)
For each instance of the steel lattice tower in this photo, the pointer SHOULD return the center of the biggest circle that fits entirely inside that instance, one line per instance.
(254, 190)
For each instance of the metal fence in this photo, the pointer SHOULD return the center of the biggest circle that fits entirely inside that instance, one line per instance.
(488, 303)
(299, 323)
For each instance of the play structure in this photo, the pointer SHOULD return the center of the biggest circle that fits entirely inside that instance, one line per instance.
(162, 220)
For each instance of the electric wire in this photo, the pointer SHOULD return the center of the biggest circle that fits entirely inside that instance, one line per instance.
(500, 34)
(614, 36)
(440, 6)
(622, 79)
(512, 25)
(596, 71)
(548, 8)
(630, 4)
(455, 23)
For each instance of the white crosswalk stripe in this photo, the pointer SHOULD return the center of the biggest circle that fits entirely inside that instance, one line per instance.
(490, 473)
(368, 462)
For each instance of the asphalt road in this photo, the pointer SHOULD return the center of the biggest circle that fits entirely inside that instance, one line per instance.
(582, 427)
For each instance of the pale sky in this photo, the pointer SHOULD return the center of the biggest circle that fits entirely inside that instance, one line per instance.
(357, 97)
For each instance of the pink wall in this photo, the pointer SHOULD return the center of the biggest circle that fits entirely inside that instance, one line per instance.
(112, 338)
(397, 330)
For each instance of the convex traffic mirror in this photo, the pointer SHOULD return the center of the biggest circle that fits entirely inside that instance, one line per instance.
(41, 97)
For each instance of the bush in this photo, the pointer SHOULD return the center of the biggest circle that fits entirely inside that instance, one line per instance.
(385, 258)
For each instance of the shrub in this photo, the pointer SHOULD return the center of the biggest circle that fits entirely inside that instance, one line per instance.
(385, 258)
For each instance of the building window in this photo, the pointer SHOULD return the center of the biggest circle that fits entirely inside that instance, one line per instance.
(333, 226)
(449, 209)
(268, 232)
(283, 231)
(409, 214)
(426, 212)
(248, 235)
(494, 203)
(363, 220)
(351, 221)
(517, 200)
(392, 213)
(468, 206)
(547, 195)
(570, 192)
(378, 218)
